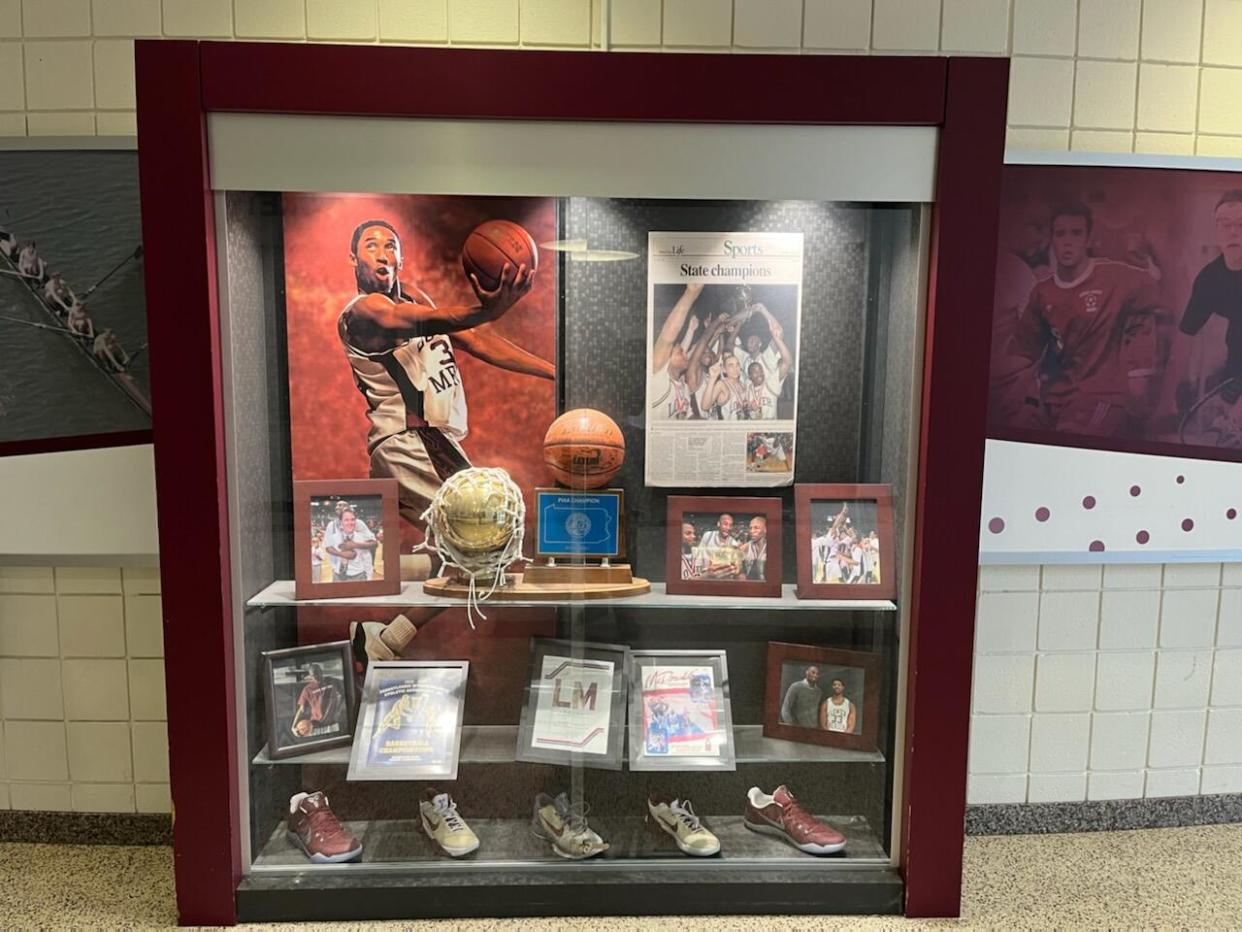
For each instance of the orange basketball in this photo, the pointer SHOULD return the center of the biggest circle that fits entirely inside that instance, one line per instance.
(584, 448)
(493, 243)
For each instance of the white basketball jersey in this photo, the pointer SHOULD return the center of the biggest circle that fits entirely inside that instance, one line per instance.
(838, 716)
(414, 384)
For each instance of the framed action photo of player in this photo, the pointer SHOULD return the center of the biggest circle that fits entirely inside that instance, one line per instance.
(574, 708)
(680, 717)
(339, 531)
(309, 695)
(844, 537)
(822, 696)
(723, 545)
(409, 727)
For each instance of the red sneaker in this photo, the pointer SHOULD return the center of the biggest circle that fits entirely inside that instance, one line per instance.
(781, 815)
(315, 830)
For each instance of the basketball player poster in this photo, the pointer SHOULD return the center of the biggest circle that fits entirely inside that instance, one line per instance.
(399, 365)
(724, 313)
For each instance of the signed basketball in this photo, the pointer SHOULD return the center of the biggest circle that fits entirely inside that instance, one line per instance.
(584, 448)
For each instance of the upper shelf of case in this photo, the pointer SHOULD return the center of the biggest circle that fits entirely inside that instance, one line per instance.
(280, 593)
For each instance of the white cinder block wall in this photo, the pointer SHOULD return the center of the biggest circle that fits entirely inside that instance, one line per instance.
(1090, 683)
(1115, 682)
(82, 690)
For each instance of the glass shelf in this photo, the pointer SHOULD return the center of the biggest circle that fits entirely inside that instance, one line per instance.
(396, 844)
(280, 594)
(495, 744)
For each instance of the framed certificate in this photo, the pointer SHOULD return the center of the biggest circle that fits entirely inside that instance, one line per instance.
(574, 708)
(679, 711)
(410, 724)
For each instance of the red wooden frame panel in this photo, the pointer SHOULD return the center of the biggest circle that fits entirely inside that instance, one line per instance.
(179, 82)
(187, 419)
(535, 85)
(950, 482)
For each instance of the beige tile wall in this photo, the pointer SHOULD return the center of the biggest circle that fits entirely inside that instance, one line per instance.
(82, 688)
(1156, 76)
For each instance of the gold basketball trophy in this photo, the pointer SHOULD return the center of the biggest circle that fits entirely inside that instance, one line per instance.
(477, 521)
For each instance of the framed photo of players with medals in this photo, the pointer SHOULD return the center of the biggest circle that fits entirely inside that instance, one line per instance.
(346, 538)
(844, 541)
(723, 545)
(309, 697)
(680, 718)
(574, 704)
(409, 726)
(818, 695)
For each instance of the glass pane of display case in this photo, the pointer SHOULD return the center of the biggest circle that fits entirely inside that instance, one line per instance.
(700, 673)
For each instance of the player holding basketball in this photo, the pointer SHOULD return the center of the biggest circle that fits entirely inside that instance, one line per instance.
(1081, 315)
(397, 342)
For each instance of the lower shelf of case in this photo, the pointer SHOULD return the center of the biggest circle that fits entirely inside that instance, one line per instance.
(402, 873)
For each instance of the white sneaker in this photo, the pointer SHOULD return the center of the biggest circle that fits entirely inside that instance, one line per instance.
(678, 820)
(444, 826)
(566, 827)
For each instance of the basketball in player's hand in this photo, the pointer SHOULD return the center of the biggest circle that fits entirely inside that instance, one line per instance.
(493, 243)
(584, 448)
(303, 728)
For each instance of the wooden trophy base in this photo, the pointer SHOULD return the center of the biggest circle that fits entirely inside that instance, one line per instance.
(550, 583)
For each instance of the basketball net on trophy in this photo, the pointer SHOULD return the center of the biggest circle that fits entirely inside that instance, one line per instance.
(476, 523)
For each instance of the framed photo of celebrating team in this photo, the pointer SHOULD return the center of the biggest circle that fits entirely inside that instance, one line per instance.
(339, 531)
(822, 696)
(723, 545)
(844, 540)
(309, 697)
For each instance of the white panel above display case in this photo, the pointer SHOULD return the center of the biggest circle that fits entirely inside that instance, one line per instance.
(269, 152)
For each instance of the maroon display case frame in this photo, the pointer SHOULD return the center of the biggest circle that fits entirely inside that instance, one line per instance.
(180, 82)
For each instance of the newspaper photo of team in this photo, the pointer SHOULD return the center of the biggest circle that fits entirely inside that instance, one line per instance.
(725, 350)
(347, 539)
(724, 546)
(845, 545)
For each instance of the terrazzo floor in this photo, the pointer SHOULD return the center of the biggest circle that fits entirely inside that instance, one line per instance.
(1167, 878)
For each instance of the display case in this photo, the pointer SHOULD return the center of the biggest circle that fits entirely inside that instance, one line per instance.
(553, 485)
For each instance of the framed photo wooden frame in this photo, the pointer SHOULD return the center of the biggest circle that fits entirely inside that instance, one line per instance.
(321, 570)
(310, 699)
(793, 691)
(703, 567)
(822, 522)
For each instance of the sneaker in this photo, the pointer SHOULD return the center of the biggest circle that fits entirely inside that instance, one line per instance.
(566, 827)
(315, 830)
(444, 826)
(677, 818)
(781, 815)
(375, 640)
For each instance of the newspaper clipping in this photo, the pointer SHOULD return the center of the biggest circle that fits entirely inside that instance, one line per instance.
(723, 317)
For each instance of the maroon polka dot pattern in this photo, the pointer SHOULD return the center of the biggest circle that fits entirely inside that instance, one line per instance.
(1231, 513)
(1097, 546)
(1042, 514)
(1135, 491)
(1188, 524)
(1181, 479)
(996, 525)
(1142, 537)
(1088, 502)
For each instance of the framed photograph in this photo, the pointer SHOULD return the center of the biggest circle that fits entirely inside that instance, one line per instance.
(822, 696)
(574, 708)
(679, 711)
(309, 695)
(410, 724)
(339, 529)
(723, 545)
(844, 536)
